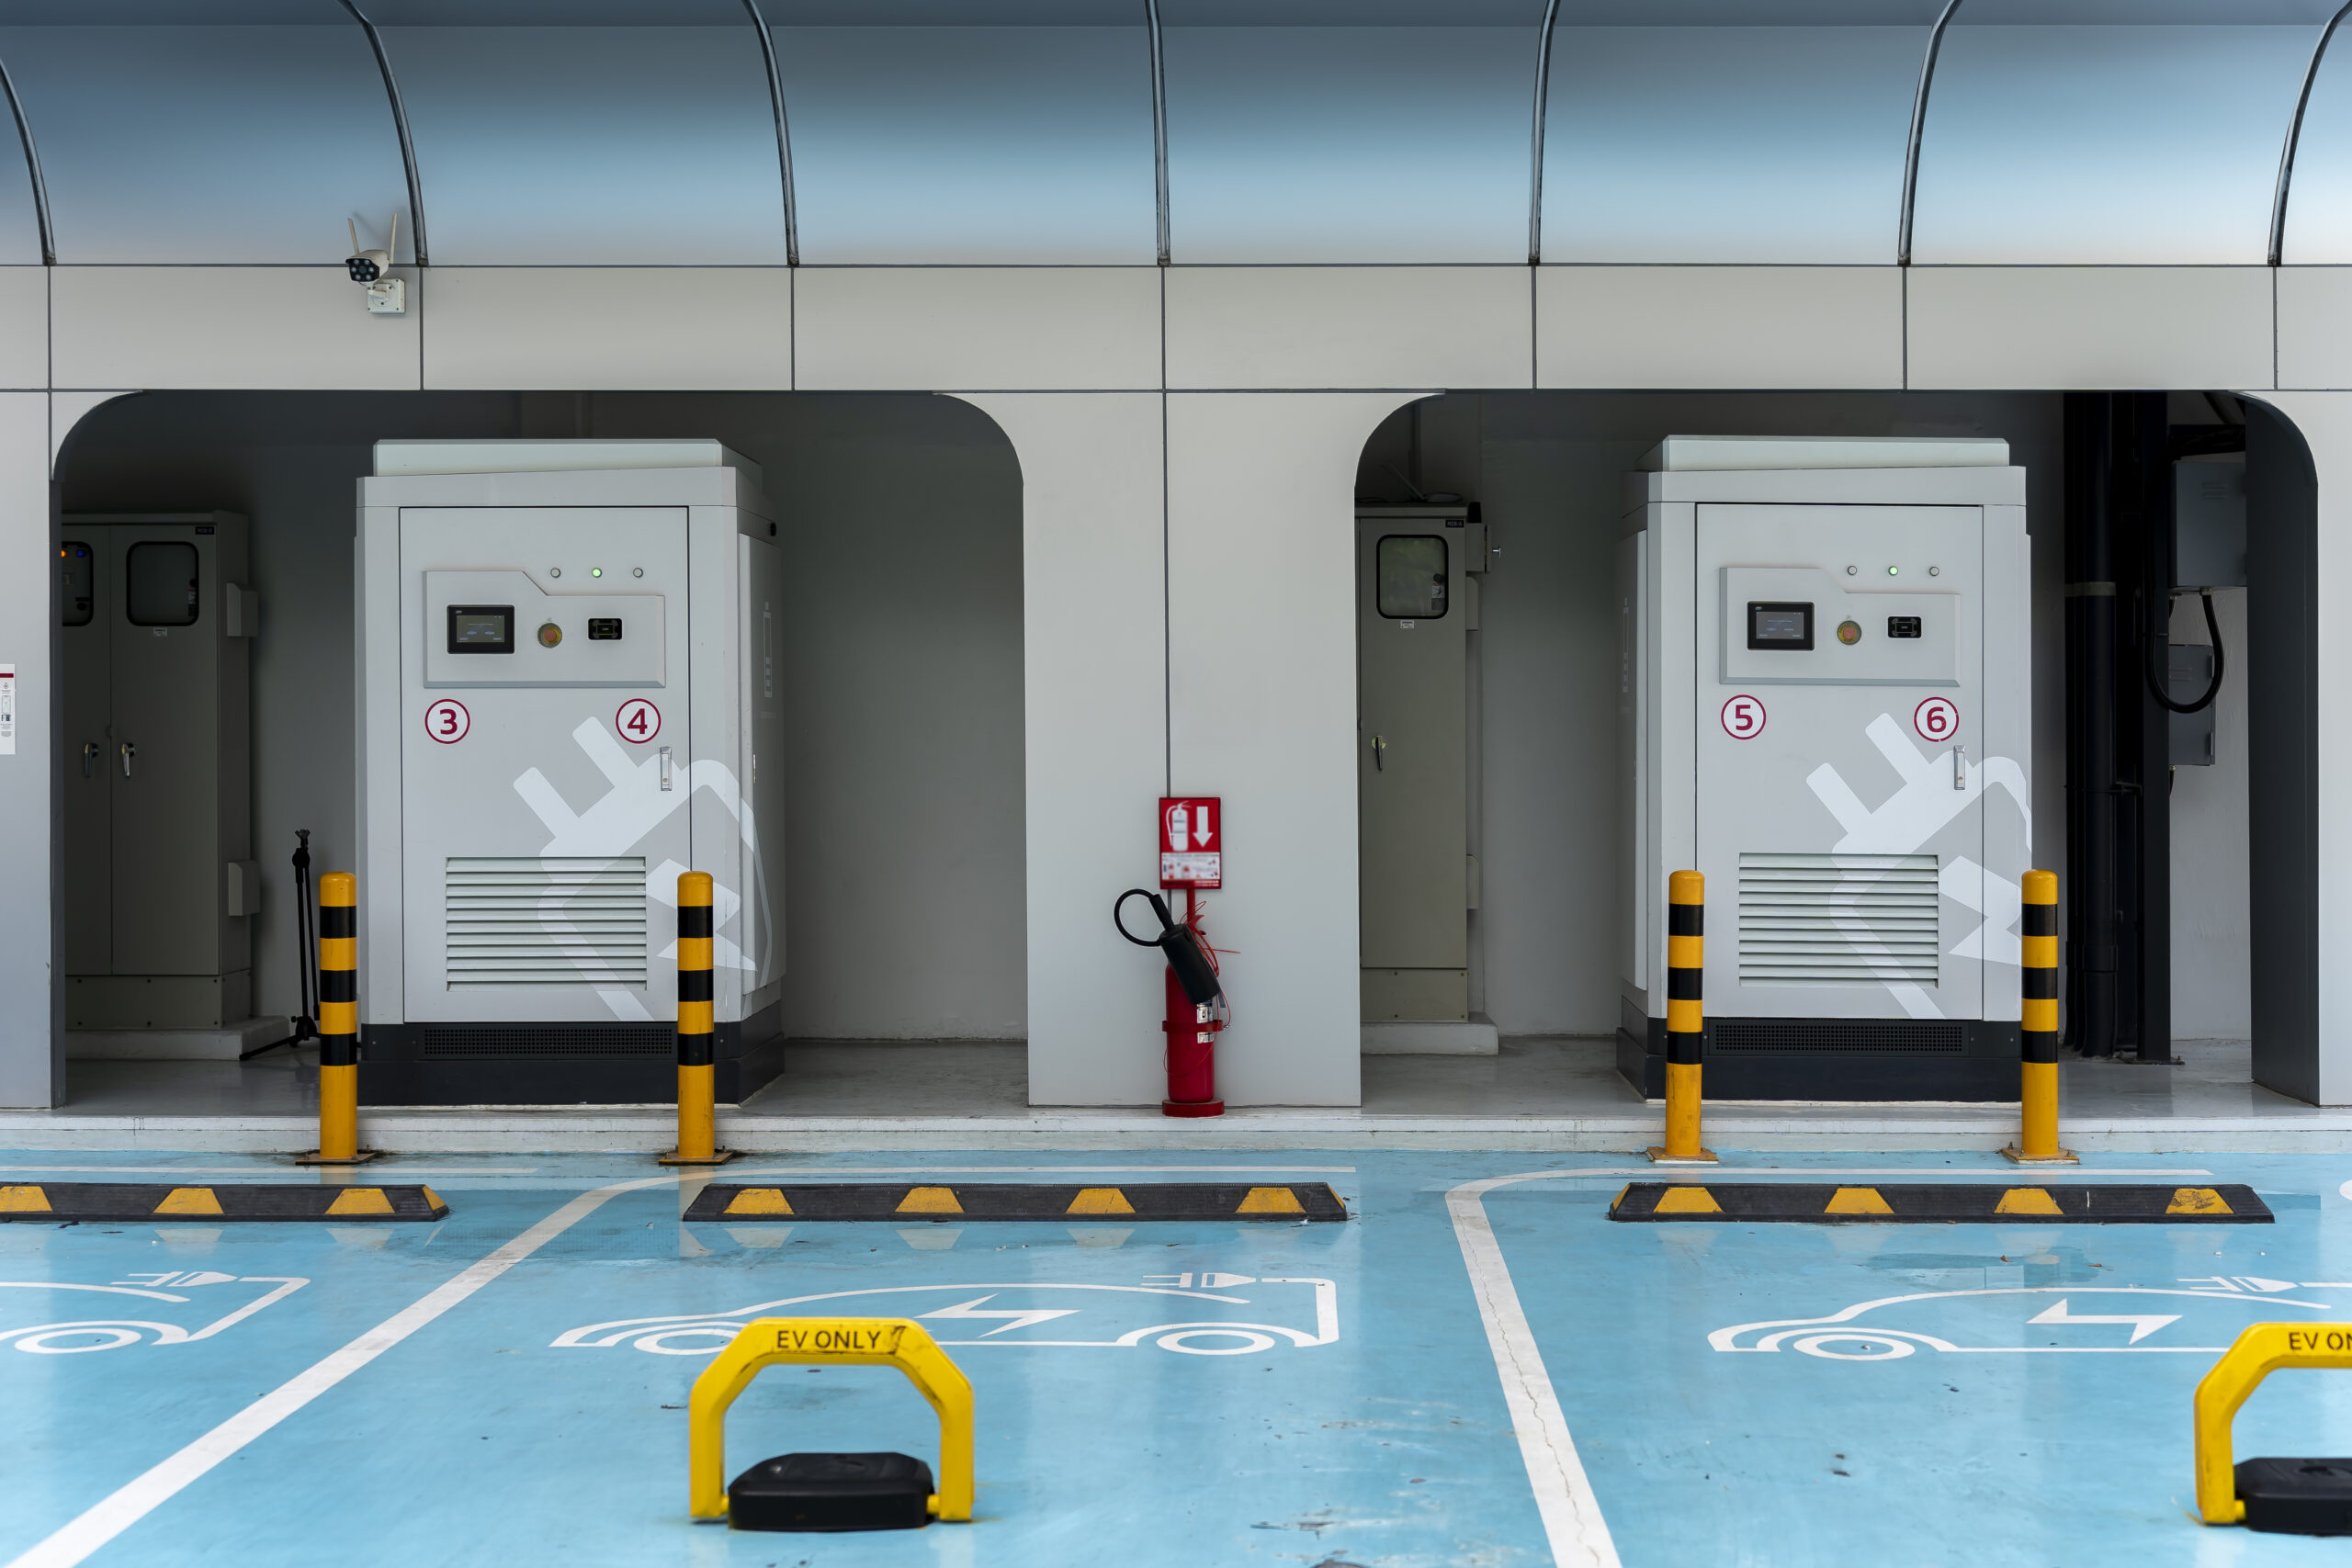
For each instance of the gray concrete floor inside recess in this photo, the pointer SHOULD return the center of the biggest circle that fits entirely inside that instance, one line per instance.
(1537, 1094)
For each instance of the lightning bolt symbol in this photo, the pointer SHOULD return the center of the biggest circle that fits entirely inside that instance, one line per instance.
(1016, 1319)
(2141, 1327)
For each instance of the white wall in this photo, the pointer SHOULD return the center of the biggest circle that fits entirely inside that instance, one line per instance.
(2212, 922)
(904, 832)
(1261, 677)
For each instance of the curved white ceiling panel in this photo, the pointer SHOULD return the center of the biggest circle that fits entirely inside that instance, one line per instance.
(589, 145)
(1349, 143)
(253, 141)
(2056, 133)
(979, 144)
(1729, 143)
(2319, 196)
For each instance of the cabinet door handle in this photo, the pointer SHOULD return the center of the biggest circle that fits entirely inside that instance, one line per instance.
(665, 767)
(89, 758)
(129, 751)
(1379, 747)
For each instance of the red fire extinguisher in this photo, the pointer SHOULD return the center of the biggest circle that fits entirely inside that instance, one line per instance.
(1193, 991)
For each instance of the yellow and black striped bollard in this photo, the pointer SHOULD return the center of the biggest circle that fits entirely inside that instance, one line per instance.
(1685, 914)
(698, 1137)
(2038, 1027)
(338, 1023)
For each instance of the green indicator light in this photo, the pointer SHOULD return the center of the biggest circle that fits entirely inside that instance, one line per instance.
(1892, 571)
(595, 571)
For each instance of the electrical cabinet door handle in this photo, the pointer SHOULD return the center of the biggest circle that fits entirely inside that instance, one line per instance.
(1960, 767)
(665, 767)
(129, 751)
(1379, 745)
(89, 758)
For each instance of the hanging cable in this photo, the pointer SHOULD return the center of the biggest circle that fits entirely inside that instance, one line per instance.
(2156, 686)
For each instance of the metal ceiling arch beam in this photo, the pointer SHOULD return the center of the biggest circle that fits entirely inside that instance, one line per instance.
(1535, 152)
(784, 138)
(1918, 126)
(32, 167)
(400, 127)
(2294, 136)
(1160, 131)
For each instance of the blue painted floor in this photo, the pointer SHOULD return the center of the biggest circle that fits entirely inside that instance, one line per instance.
(1156, 1395)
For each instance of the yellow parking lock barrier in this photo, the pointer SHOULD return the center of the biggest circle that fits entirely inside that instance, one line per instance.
(830, 1341)
(2262, 1349)
(2037, 1027)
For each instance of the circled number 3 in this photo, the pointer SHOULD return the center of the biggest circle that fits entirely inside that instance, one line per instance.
(447, 721)
(1743, 718)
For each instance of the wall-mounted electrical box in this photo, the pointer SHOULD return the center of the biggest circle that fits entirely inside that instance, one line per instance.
(156, 620)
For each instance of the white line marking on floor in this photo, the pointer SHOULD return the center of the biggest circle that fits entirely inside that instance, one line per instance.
(1578, 1536)
(110, 1516)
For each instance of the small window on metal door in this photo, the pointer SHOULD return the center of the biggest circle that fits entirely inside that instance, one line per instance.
(159, 587)
(1409, 573)
(79, 594)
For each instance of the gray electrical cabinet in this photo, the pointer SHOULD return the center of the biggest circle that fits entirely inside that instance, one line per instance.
(155, 626)
(570, 695)
(1823, 708)
(1415, 606)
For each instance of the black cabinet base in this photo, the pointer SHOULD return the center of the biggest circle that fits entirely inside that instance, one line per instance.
(558, 1063)
(1833, 1059)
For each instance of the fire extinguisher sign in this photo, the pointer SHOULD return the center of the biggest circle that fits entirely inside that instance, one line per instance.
(1192, 842)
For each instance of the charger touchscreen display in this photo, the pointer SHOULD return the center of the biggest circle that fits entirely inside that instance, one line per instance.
(1779, 626)
(481, 629)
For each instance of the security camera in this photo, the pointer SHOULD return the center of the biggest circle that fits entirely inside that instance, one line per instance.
(386, 296)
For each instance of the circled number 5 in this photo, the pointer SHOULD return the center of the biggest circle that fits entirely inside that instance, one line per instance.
(1743, 718)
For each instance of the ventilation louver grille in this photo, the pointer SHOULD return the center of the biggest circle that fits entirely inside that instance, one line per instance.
(532, 920)
(1837, 919)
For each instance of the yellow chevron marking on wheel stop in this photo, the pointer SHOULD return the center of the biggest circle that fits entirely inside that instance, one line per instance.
(24, 1201)
(2027, 1200)
(1687, 1200)
(759, 1201)
(2197, 1201)
(930, 1200)
(188, 1201)
(432, 1198)
(1857, 1200)
(1100, 1200)
(1270, 1200)
(359, 1201)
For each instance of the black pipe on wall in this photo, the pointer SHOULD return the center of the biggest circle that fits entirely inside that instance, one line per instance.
(2118, 600)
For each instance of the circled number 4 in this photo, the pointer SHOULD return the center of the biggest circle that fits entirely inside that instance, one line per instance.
(638, 721)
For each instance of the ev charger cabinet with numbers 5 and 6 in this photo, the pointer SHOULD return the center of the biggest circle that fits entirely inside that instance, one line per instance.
(1824, 708)
(569, 695)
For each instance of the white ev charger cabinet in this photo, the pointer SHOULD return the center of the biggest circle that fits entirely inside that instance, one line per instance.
(567, 690)
(1823, 708)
